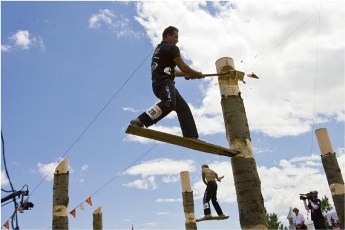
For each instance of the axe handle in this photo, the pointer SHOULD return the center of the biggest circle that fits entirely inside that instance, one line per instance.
(214, 74)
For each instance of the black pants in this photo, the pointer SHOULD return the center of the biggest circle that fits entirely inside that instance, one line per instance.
(211, 194)
(319, 223)
(170, 100)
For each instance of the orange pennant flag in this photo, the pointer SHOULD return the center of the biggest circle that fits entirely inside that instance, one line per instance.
(7, 225)
(73, 213)
(89, 201)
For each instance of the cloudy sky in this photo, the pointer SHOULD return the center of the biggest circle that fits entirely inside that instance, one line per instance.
(73, 74)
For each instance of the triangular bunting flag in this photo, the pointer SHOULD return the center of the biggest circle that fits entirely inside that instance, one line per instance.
(81, 207)
(89, 201)
(73, 213)
(7, 225)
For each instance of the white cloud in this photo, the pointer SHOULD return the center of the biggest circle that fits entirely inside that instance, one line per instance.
(47, 170)
(5, 48)
(103, 16)
(279, 43)
(170, 179)
(145, 183)
(151, 224)
(84, 167)
(161, 166)
(4, 179)
(164, 213)
(165, 167)
(168, 200)
(21, 39)
(24, 40)
(117, 23)
(130, 109)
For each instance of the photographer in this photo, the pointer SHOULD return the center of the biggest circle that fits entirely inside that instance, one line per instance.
(314, 205)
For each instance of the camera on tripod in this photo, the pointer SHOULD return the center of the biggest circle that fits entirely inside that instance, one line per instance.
(308, 196)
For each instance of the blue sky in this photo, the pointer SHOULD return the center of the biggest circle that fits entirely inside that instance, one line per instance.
(73, 74)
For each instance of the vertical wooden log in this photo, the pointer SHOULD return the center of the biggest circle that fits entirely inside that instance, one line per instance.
(60, 196)
(188, 201)
(333, 172)
(97, 219)
(252, 212)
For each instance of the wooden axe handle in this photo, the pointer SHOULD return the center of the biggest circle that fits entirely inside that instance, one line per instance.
(217, 74)
(213, 74)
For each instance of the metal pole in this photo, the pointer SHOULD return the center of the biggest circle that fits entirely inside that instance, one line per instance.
(188, 201)
(251, 208)
(60, 196)
(333, 172)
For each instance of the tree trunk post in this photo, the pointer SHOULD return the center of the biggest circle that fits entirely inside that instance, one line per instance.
(97, 219)
(60, 196)
(251, 207)
(188, 201)
(333, 172)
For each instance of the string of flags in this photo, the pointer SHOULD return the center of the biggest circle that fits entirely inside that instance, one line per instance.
(81, 207)
(6, 225)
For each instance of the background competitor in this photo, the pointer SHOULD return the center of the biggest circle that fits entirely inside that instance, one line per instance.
(209, 178)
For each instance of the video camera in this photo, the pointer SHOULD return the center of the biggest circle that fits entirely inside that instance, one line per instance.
(308, 196)
(27, 205)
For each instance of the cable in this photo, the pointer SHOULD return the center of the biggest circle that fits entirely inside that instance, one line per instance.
(125, 169)
(285, 39)
(121, 172)
(14, 215)
(315, 87)
(7, 203)
(5, 190)
(94, 119)
(99, 113)
(4, 159)
(315, 83)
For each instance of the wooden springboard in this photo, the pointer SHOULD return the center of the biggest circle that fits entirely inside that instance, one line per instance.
(212, 218)
(181, 141)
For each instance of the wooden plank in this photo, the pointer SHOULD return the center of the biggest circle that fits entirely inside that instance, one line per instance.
(181, 141)
(212, 218)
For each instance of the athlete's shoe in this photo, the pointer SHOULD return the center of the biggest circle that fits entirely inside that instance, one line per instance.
(196, 139)
(137, 122)
(221, 215)
(208, 216)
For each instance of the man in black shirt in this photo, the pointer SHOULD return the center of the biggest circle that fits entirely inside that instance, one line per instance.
(314, 205)
(165, 58)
